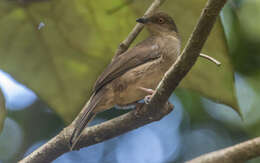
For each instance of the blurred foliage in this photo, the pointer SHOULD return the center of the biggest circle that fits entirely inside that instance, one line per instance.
(242, 28)
(60, 47)
(243, 36)
(25, 127)
(2, 110)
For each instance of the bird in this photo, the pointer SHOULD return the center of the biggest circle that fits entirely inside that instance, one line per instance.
(134, 74)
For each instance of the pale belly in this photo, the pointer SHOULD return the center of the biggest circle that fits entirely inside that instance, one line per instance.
(148, 76)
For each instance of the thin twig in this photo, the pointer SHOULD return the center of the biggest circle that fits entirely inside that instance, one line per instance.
(151, 112)
(235, 154)
(210, 59)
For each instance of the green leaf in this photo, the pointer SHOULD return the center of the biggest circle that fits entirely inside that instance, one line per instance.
(61, 60)
(2, 111)
(243, 40)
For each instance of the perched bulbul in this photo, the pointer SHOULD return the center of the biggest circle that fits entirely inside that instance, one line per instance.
(134, 74)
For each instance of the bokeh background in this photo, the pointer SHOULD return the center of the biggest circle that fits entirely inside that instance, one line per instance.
(51, 52)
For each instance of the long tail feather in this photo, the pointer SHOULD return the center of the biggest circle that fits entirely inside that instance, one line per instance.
(86, 116)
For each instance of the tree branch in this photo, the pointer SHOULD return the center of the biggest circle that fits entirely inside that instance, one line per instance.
(151, 112)
(235, 154)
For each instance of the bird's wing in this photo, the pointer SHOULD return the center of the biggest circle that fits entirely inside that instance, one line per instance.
(142, 53)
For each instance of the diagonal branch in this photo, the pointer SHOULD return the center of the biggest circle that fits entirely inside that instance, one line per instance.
(151, 112)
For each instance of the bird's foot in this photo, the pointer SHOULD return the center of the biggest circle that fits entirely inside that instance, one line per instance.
(147, 99)
(150, 92)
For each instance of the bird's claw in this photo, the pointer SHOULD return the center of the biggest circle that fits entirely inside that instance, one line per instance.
(147, 99)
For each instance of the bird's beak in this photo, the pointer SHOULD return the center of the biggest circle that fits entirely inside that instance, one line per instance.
(142, 20)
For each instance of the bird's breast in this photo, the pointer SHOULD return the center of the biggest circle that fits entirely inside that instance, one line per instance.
(148, 75)
(170, 47)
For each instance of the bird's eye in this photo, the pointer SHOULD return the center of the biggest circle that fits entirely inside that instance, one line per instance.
(161, 20)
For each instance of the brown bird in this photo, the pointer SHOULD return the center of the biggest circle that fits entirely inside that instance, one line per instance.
(133, 75)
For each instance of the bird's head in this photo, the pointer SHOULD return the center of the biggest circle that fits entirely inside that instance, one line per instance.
(159, 23)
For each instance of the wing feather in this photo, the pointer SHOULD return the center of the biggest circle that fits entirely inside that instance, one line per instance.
(143, 52)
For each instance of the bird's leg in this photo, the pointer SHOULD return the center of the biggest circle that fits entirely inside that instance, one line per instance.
(147, 100)
(149, 96)
(138, 106)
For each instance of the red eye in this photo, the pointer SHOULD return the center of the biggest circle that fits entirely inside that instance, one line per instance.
(161, 20)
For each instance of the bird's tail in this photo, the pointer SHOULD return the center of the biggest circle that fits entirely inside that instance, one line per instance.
(84, 118)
